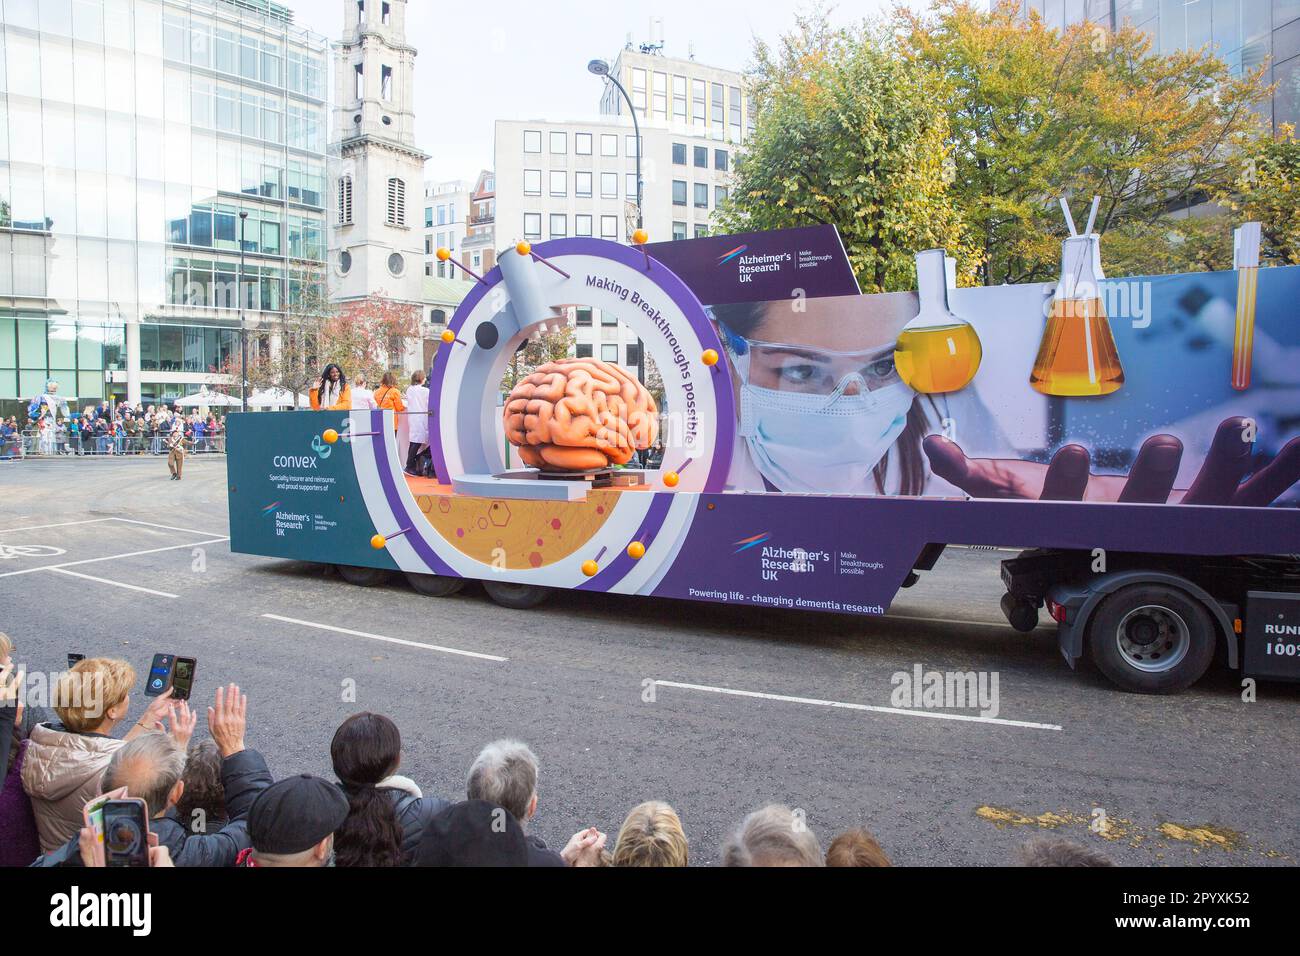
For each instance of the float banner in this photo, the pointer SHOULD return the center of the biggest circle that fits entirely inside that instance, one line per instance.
(761, 266)
(292, 495)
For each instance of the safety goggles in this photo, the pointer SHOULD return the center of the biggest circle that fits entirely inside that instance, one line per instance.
(799, 368)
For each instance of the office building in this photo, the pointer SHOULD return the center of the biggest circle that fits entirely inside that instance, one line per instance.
(1244, 33)
(144, 145)
(446, 221)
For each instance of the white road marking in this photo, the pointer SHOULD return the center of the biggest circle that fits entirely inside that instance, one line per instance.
(390, 640)
(116, 584)
(936, 715)
(112, 557)
(64, 524)
(165, 527)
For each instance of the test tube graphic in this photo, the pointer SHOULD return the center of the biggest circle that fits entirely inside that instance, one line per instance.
(1246, 261)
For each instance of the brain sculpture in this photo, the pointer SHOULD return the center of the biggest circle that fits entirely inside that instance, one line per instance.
(578, 414)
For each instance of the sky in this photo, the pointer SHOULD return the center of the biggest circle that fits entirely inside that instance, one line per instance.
(509, 59)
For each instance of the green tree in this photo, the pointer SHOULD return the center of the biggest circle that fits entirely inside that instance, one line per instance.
(851, 134)
(1267, 190)
(1037, 113)
(549, 344)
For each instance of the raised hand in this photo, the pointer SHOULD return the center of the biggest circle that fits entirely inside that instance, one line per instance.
(228, 720)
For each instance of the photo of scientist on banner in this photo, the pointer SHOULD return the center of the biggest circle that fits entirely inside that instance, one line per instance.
(822, 408)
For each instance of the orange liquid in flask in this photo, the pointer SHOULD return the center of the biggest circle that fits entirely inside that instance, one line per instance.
(1077, 356)
(942, 358)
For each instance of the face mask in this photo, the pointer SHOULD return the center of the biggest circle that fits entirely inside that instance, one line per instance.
(822, 444)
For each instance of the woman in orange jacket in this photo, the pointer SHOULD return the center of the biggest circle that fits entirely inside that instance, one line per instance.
(388, 396)
(332, 392)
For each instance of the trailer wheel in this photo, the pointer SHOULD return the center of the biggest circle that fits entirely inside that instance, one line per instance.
(1152, 639)
(435, 585)
(518, 597)
(362, 577)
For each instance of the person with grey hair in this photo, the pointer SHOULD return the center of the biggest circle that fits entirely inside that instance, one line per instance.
(772, 836)
(1058, 851)
(152, 766)
(505, 773)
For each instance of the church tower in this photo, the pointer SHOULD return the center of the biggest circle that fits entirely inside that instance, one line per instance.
(377, 247)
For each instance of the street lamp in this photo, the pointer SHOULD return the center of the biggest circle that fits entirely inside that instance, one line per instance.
(601, 68)
(243, 330)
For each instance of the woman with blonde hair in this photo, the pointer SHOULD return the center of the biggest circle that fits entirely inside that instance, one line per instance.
(651, 835)
(65, 760)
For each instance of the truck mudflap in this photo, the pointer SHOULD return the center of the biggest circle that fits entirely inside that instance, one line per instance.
(1271, 641)
(1079, 599)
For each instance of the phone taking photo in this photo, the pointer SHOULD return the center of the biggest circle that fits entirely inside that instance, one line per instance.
(126, 833)
(183, 677)
(75, 659)
(160, 674)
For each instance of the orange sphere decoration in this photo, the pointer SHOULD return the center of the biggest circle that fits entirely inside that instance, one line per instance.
(330, 436)
(448, 336)
(589, 568)
(671, 479)
(443, 254)
(710, 357)
(523, 248)
(640, 237)
(379, 542)
(636, 550)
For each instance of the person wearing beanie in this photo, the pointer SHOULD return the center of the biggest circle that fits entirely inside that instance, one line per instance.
(292, 823)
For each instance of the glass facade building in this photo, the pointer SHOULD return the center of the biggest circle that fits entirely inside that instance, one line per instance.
(134, 135)
(1244, 33)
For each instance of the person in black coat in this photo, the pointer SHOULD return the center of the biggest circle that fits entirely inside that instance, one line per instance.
(387, 814)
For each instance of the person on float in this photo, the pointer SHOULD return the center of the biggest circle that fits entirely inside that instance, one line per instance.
(331, 393)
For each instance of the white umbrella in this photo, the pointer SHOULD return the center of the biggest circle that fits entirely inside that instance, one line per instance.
(206, 399)
(276, 398)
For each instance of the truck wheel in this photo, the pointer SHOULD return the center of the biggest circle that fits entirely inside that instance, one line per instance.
(435, 585)
(362, 577)
(1152, 639)
(519, 597)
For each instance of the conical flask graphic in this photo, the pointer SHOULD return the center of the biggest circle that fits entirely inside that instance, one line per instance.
(1077, 356)
(936, 352)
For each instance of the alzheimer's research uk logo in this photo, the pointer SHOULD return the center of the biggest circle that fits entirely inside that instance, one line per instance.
(728, 256)
(75, 909)
(744, 544)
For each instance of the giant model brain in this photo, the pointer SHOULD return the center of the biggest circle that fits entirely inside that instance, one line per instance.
(579, 414)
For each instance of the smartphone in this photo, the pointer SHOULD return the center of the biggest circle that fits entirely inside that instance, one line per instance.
(183, 677)
(160, 674)
(75, 659)
(126, 833)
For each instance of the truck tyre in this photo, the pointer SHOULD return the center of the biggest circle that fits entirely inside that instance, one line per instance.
(518, 597)
(362, 577)
(1152, 639)
(435, 585)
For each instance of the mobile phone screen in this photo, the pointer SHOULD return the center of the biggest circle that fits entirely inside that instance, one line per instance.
(160, 673)
(183, 677)
(75, 659)
(126, 833)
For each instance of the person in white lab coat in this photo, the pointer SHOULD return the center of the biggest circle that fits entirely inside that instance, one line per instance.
(417, 417)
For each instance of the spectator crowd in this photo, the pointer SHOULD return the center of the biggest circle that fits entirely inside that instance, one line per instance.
(214, 801)
(114, 429)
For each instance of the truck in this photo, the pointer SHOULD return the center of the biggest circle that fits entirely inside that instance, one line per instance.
(808, 462)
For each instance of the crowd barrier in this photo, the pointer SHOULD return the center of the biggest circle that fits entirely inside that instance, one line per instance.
(28, 444)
